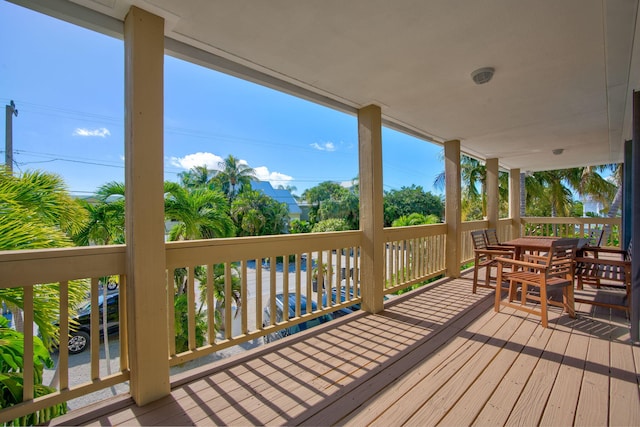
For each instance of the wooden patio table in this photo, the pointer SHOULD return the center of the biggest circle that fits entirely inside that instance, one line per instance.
(530, 243)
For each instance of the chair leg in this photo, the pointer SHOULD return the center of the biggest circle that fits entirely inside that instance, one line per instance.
(487, 274)
(475, 276)
(543, 306)
(569, 302)
(496, 306)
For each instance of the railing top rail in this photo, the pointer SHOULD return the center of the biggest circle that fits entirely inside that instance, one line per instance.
(399, 233)
(29, 267)
(234, 249)
(570, 220)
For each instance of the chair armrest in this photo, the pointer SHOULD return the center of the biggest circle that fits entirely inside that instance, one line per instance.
(602, 261)
(599, 249)
(502, 247)
(516, 262)
(494, 252)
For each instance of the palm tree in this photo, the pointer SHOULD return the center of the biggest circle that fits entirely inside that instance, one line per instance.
(257, 214)
(415, 219)
(202, 213)
(106, 217)
(473, 176)
(37, 212)
(587, 181)
(198, 176)
(234, 175)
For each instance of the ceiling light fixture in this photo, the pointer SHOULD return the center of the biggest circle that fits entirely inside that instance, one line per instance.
(483, 75)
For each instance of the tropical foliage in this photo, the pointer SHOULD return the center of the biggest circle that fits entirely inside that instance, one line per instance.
(233, 176)
(415, 219)
(409, 200)
(201, 212)
(256, 214)
(11, 375)
(105, 224)
(37, 212)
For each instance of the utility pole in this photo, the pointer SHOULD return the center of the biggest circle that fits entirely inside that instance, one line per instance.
(8, 154)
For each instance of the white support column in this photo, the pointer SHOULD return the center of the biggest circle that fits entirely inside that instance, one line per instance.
(144, 179)
(452, 210)
(371, 208)
(493, 196)
(514, 202)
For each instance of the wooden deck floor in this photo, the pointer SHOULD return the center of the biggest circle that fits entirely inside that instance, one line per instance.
(437, 356)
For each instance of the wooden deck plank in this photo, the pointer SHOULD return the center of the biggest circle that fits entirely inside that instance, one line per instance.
(292, 397)
(450, 357)
(593, 406)
(340, 407)
(437, 406)
(435, 356)
(505, 396)
(529, 408)
(368, 366)
(475, 397)
(561, 405)
(625, 401)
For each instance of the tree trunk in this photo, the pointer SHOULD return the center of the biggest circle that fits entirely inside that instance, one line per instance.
(18, 319)
(523, 195)
(613, 211)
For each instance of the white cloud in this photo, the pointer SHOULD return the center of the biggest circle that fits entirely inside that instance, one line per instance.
(101, 132)
(275, 178)
(211, 161)
(327, 146)
(189, 161)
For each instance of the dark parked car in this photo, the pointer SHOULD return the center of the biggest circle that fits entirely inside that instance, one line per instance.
(279, 317)
(80, 337)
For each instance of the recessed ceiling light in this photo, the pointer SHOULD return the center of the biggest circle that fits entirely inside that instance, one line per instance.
(483, 75)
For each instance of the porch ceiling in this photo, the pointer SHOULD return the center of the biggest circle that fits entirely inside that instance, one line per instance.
(564, 75)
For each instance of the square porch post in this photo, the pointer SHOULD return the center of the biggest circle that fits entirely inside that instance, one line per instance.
(144, 179)
(371, 208)
(635, 220)
(493, 196)
(452, 210)
(514, 202)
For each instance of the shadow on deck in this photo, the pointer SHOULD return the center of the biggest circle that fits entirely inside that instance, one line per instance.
(438, 355)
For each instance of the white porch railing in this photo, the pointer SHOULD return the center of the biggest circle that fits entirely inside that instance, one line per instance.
(262, 266)
(26, 269)
(413, 255)
(571, 227)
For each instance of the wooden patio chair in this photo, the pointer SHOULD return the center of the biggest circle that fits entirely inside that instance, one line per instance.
(613, 266)
(485, 258)
(491, 236)
(555, 270)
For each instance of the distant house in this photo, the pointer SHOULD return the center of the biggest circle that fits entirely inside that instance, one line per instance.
(280, 195)
(591, 206)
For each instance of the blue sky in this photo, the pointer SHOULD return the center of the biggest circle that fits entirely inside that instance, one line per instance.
(68, 86)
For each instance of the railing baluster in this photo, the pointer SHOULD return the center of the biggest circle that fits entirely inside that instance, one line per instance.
(171, 312)
(211, 315)
(191, 310)
(258, 274)
(123, 323)
(63, 348)
(27, 373)
(244, 296)
(95, 329)
(228, 300)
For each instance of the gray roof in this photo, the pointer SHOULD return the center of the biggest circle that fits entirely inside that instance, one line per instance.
(282, 196)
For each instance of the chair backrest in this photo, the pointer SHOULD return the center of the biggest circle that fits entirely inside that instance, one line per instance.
(560, 258)
(478, 238)
(595, 237)
(492, 237)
